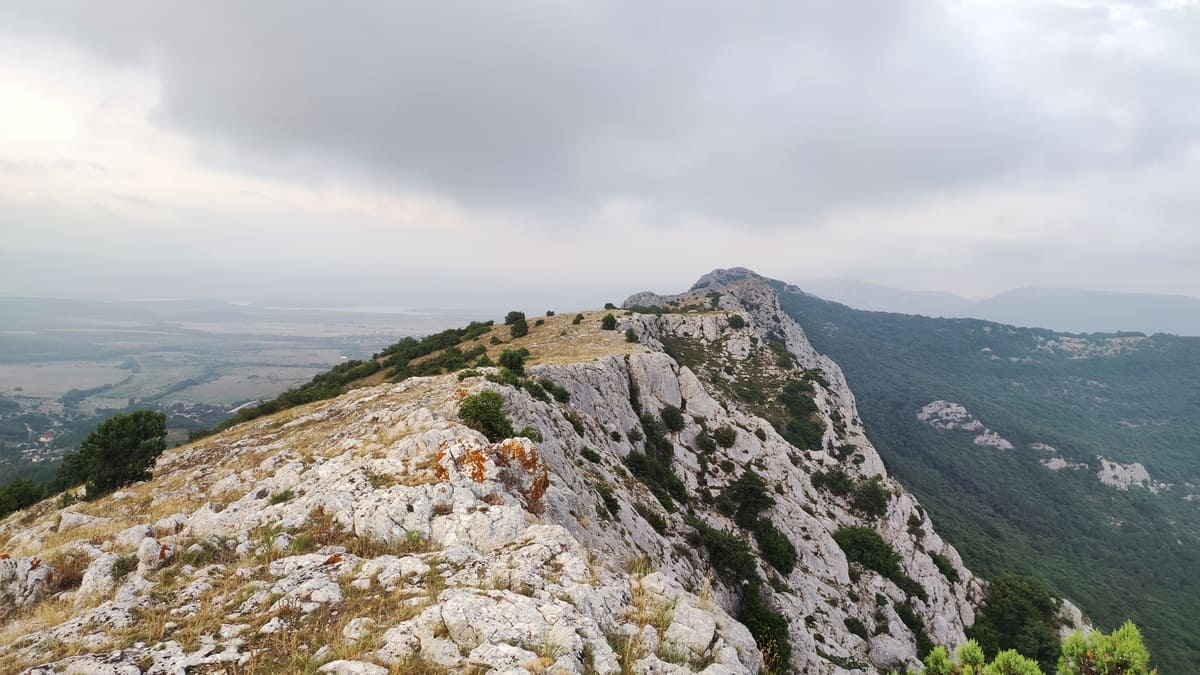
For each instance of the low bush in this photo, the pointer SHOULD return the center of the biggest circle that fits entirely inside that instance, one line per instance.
(672, 417)
(609, 322)
(726, 436)
(656, 521)
(945, 567)
(775, 547)
(484, 412)
(870, 497)
(834, 479)
(856, 626)
(659, 477)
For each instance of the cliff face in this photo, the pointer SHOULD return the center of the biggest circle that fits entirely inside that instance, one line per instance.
(376, 532)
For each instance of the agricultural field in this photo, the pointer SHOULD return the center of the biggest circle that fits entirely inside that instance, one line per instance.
(66, 365)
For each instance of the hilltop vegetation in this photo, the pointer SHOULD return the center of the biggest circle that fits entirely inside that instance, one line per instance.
(1127, 397)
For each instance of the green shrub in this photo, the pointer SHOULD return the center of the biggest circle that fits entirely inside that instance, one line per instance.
(530, 433)
(484, 412)
(864, 546)
(590, 455)
(871, 497)
(945, 567)
(917, 626)
(609, 305)
(609, 322)
(572, 418)
(514, 360)
(559, 392)
(728, 553)
(610, 502)
(658, 476)
(761, 434)
(656, 437)
(856, 626)
(834, 479)
(769, 628)
(118, 452)
(705, 442)
(513, 317)
(630, 335)
(123, 565)
(726, 436)
(750, 496)
(1121, 652)
(1018, 613)
(577, 320)
(775, 547)
(19, 494)
(281, 497)
(656, 521)
(672, 418)
(519, 329)
(736, 321)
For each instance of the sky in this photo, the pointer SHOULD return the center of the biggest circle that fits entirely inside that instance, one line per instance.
(471, 154)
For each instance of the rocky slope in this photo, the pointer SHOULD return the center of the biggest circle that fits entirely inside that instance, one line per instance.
(376, 533)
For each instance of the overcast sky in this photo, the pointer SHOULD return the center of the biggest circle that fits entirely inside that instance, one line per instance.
(470, 153)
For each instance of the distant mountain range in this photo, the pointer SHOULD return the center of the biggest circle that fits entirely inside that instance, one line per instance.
(1070, 310)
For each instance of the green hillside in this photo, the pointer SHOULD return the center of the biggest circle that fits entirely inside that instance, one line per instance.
(1130, 398)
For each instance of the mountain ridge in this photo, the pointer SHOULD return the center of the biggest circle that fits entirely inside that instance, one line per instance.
(1063, 309)
(326, 505)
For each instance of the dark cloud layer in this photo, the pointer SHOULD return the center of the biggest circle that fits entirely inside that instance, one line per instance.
(767, 115)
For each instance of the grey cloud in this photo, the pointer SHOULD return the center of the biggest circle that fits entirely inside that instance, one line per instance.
(775, 114)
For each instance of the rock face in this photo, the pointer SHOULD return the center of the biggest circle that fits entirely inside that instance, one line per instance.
(1124, 476)
(375, 531)
(947, 416)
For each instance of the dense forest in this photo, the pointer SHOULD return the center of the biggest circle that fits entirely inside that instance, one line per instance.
(1118, 554)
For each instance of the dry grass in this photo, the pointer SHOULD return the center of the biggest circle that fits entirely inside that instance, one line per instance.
(558, 341)
(38, 617)
(68, 567)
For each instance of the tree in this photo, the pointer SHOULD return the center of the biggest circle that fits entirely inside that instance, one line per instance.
(484, 412)
(19, 494)
(513, 317)
(119, 452)
(519, 328)
(609, 322)
(514, 360)
(1018, 613)
(1120, 652)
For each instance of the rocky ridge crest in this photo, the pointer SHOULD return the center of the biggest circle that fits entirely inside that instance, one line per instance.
(376, 533)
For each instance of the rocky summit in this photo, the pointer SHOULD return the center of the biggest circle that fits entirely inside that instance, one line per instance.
(690, 492)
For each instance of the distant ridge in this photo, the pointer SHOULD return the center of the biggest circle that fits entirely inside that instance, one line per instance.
(1071, 310)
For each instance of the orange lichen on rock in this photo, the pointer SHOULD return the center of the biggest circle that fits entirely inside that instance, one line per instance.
(499, 461)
